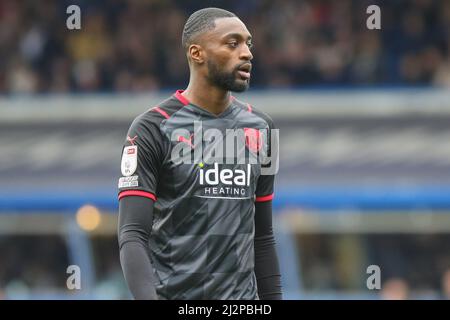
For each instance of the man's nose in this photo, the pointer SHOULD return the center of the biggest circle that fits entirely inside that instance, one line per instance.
(246, 54)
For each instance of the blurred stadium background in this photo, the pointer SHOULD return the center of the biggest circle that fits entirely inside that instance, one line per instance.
(364, 118)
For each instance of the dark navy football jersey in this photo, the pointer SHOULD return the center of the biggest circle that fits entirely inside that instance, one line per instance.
(202, 239)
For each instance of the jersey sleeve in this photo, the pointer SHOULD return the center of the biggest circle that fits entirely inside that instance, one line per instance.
(142, 158)
(265, 185)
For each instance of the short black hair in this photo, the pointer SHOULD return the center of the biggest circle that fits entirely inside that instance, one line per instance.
(201, 21)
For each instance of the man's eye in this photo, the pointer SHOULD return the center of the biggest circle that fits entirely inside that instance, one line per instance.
(250, 45)
(233, 44)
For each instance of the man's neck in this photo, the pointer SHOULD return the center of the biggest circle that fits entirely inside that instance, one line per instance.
(210, 98)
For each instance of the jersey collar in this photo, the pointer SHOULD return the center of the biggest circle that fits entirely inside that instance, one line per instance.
(178, 95)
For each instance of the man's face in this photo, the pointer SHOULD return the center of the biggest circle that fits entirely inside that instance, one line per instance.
(228, 55)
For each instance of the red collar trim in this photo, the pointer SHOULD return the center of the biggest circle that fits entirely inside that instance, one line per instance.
(181, 98)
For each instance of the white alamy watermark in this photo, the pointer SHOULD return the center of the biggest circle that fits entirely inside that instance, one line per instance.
(74, 280)
(374, 280)
(73, 21)
(374, 20)
(238, 146)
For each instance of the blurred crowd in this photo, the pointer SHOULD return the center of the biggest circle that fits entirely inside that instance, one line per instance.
(133, 45)
(412, 267)
(35, 267)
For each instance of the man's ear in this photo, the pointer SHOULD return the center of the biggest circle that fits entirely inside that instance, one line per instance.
(196, 53)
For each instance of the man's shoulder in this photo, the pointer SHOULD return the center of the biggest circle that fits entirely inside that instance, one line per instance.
(157, 113)
(253, 111)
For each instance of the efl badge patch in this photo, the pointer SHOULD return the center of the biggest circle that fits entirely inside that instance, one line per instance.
(129, 161)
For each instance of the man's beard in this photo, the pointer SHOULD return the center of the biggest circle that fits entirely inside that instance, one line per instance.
(226, 80)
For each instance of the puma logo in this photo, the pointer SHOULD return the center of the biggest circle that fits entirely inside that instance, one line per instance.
(131, 140)
(186, 140)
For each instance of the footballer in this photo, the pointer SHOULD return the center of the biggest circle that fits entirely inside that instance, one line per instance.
(200, 229)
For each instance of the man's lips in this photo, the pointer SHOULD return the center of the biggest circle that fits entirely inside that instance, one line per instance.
(244, 75)
(244, 71)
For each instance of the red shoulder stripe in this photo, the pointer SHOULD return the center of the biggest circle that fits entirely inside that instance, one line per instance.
(161, 111)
